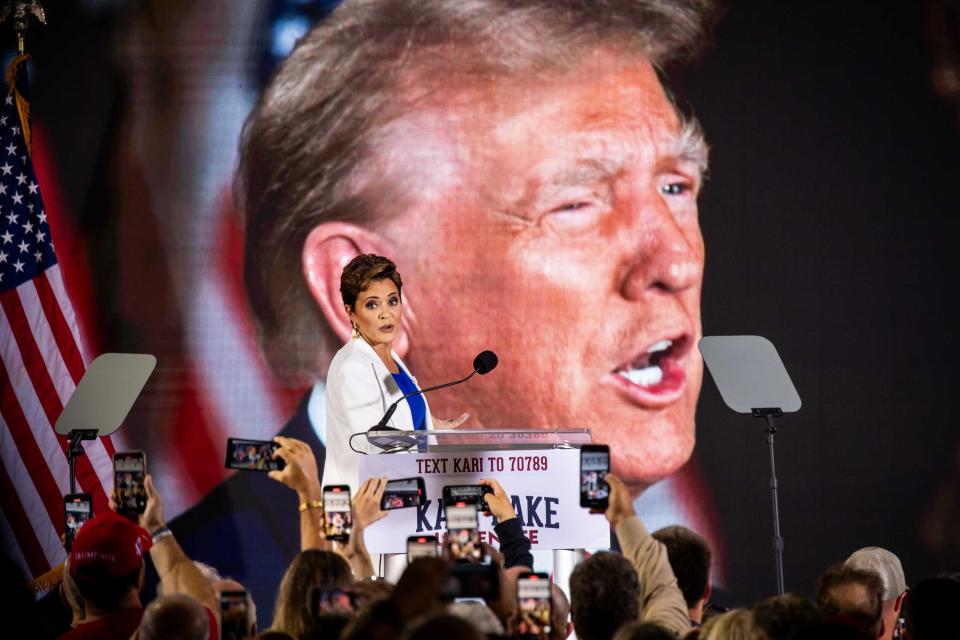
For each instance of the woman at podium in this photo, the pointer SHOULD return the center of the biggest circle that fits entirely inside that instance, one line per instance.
(366, 376)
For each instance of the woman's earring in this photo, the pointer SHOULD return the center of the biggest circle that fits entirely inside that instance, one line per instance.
(356, 329)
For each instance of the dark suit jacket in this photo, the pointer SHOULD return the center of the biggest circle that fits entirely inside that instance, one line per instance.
(248, 527)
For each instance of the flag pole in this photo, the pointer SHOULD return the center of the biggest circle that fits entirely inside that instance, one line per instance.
(19, 11)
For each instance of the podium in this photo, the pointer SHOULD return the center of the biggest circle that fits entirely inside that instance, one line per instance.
(538, 468)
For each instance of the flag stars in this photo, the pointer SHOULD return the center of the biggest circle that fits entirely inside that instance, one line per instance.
(7, 237)
(3, 189)
(27, 227)
(3, 121)
(16, 130)
(43, 215)
(32, 188)
(12, 217)
(3, 256)
(23, 246)
(18, 198)
(30, 207)
(38, 255)
(6, 168)
(22, 178)
(9, 100)
(11, 149)
(41, 236)
(18, 266)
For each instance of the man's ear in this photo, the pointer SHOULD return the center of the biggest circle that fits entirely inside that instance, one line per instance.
(327, 250)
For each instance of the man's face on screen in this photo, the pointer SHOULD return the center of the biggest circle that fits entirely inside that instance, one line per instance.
(559, 228)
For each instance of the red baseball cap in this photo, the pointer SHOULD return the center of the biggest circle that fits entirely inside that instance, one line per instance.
(111, 543)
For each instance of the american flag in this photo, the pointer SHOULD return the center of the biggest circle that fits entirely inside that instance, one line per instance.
(41, 360)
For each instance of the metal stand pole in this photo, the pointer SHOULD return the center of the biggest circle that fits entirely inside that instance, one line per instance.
(75, 450)
(777, 538)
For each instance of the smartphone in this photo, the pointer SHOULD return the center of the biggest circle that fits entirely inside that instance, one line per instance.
(129, 470)
(337, 600)
(403, 493)
(534, 605)
(234, 615)
(594, 467)
(252, 455)
(422, 547)
(77, 509)
(337, 516)
(463, 534)
(453, 493)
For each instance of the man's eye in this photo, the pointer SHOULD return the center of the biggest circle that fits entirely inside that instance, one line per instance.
(675, 189)
(571, 206)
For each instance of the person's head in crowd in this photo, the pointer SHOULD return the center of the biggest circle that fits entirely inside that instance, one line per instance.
(327, 625)
(690, 559)
(177, 617)
(886, 565)
(737, 624)
(369, 590)
(643, 631)
(310, 568)
(852, 596)
(419, 591)
(930, 610)
(219, 584)
(480, 617)
(402, 127)
(780, 616)
(106, 563)
(604, 595)
(441, 625)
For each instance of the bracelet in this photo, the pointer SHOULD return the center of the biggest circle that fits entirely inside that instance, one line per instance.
(160, 534)
(312, 504)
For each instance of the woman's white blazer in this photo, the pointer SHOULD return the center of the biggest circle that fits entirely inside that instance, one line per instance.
(359, 388)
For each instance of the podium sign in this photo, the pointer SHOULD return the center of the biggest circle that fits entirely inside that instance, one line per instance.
(543, 484)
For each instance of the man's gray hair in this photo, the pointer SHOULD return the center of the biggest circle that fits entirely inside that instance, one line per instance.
(175, 616)
(320, 119)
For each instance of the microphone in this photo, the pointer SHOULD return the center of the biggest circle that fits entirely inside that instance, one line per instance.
(484, 363)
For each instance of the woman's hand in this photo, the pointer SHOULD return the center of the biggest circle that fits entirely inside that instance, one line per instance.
(300, 468)
(440, 423)
(498, 502)
(366, 504)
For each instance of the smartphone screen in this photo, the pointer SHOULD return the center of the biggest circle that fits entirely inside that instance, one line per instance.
(252, 455)
(403, 493)
(337, 518)
(533, 605)
(422, 547)
(453, 493)
(77, 509)
(129, 469)
(463, 536)
(233, 615)
(594, 466)
(326, 601)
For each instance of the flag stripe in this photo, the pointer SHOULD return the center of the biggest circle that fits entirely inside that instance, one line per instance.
(29, 545)
(60, 293)
(18, 402)
(35, 460)
(42, 386)
(36, 322)
(66, 342)
(21, 484)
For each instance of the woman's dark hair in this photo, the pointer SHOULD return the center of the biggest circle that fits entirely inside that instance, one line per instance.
(361, 271)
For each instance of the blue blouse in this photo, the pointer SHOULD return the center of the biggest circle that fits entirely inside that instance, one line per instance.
(418, 408)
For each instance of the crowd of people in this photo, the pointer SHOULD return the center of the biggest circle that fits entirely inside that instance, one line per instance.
(658, 586)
